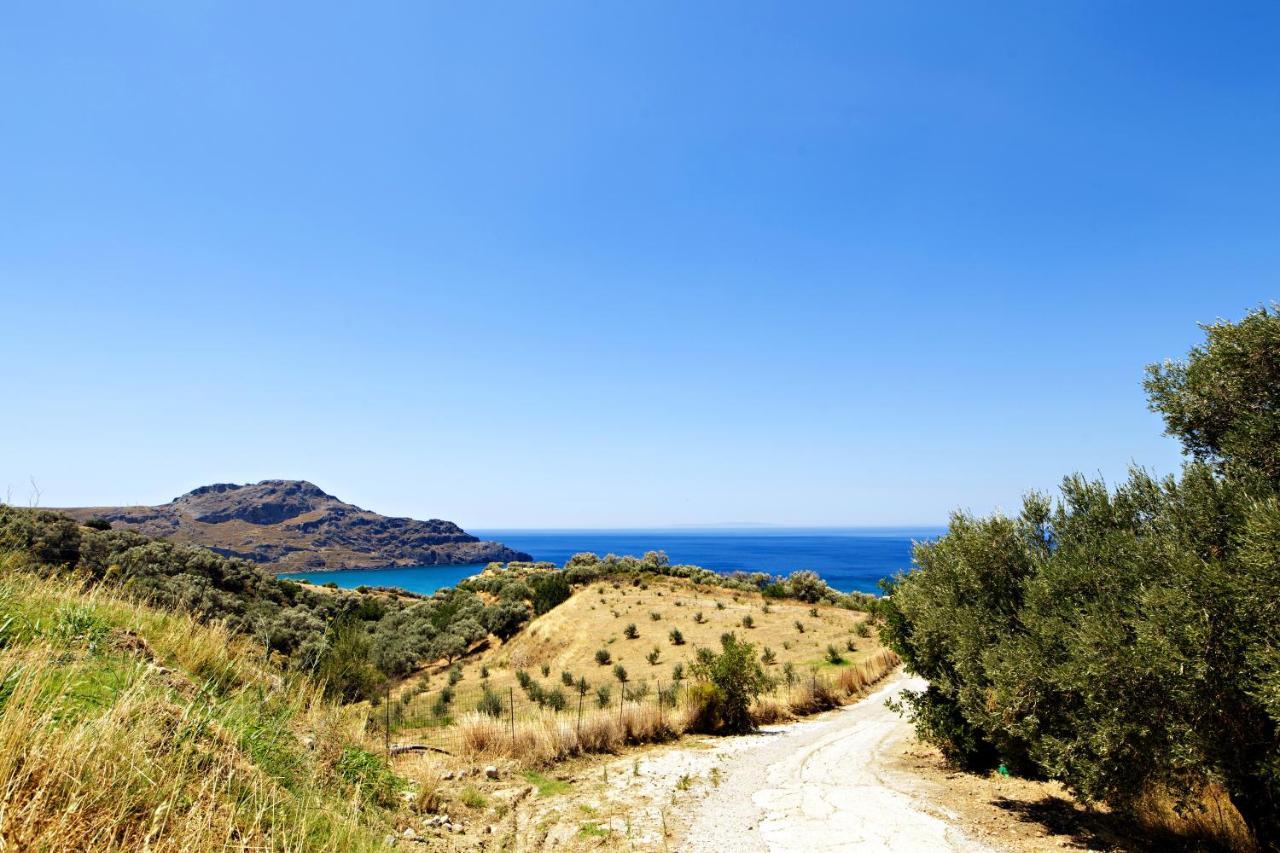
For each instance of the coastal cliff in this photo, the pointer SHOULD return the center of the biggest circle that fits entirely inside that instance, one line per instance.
(293, 525)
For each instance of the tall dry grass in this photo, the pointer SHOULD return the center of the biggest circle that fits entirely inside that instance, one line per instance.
(551, 737)
(1211, 822)
(126, 728)
(822, 692)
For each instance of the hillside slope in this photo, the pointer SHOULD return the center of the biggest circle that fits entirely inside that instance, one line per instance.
(125, 727)
(294, 525)
(596, 617)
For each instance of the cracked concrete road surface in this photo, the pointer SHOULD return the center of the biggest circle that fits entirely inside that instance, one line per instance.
(825, 785)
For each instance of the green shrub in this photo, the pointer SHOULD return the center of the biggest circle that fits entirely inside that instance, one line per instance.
(369, 773)
(728, 682)
(344, 667)
(677, 638)
(603, 657)
(549, 590)
(807, 586)
(505, 618)
(490, 703)
(631, 632)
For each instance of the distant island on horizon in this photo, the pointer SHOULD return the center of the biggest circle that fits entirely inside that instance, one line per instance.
(293, 525)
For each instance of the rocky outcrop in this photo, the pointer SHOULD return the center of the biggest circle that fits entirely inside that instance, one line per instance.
(293, 525)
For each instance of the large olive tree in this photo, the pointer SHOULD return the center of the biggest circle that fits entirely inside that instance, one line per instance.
(1122, 639)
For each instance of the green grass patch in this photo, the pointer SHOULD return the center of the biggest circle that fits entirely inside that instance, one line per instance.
(369, 773)
(547, 787)
(592, 829)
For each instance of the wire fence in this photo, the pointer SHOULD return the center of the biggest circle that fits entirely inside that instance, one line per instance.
(415, 718)
(429, 718)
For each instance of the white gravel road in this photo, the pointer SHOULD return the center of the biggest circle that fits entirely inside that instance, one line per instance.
(824, 785)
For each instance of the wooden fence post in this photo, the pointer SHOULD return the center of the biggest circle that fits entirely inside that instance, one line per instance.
(511, 702)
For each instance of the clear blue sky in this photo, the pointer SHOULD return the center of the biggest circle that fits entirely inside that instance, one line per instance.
(620, 264)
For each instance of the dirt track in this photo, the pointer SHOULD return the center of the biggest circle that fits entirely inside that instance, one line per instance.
(823, 785)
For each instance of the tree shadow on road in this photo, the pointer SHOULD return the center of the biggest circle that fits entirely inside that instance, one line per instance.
(1093, 829)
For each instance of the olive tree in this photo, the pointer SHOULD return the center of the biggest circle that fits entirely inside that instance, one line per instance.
(1223, 401)
(1123, 640)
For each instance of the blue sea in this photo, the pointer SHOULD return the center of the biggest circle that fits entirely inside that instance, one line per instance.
(850, 559)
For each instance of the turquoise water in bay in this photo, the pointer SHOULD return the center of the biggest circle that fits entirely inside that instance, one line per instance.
(850, 559)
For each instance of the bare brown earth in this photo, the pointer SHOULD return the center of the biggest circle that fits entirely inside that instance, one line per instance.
(293, 525)
(1036, 816)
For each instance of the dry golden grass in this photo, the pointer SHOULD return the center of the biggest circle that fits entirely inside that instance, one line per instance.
(550, 737)
(1212, 821)
(770, 709)
(126, 728)
(566, 638)
(554, 737)
(563, 643)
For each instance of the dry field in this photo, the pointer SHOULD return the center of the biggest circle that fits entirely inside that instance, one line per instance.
(596, 617)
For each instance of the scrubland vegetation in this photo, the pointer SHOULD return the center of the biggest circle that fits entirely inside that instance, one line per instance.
(160, 696)
(351, 640)
(128, 727)
(1126, 640)
(730, 693)
(633, 638)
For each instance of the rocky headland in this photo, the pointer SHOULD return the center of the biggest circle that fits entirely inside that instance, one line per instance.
(293, 525)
